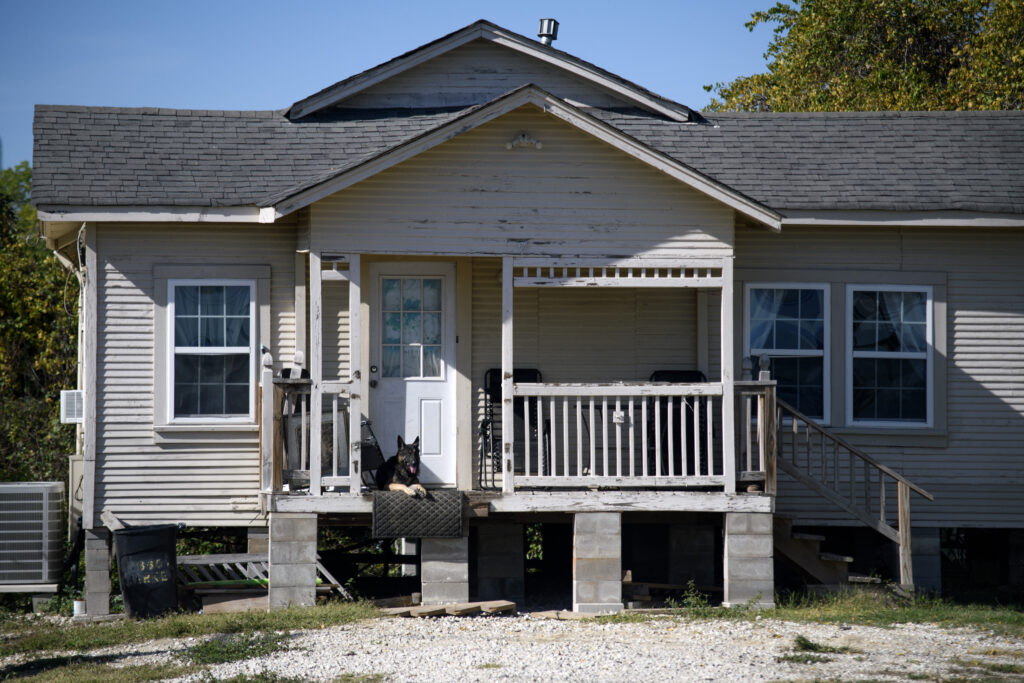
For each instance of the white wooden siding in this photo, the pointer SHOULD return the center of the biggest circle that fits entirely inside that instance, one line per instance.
(212, 479)
(471, 195)
(336, 331)
(476, 73)
(976, 468)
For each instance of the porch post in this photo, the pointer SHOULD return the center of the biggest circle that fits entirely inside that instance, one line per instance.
(728, 393)
(507, 421)
(355, 364)
(316, 338)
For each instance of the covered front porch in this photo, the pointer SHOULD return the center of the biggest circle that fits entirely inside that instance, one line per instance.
(673, 430)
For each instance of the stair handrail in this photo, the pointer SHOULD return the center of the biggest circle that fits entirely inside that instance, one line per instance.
(901, 534)
(809, 421)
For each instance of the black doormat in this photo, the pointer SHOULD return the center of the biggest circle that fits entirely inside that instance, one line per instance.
(398, 515)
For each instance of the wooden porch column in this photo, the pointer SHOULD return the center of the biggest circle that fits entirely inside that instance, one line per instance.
(316, 374)
(300, 307)
(507, 421)
(728, 392)
(355, 364)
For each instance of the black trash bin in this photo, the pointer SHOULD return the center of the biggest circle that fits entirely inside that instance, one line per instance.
(146, 565)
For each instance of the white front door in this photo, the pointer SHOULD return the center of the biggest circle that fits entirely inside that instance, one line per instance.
(412, 362)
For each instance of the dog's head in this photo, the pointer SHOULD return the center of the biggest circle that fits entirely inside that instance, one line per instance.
(409, 455)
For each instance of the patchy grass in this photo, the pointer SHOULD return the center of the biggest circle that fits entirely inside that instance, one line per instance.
(802, 644)
(271, 677)
(852, 608)
(236, 647)
(83, 668)
(803, 658)
(41, 635)
(489, 665)
(991, 667)
(868, 610)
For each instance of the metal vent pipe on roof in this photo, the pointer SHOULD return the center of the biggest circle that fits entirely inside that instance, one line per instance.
(548, 31)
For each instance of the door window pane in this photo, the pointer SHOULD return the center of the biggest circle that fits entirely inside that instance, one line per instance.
(411, 327)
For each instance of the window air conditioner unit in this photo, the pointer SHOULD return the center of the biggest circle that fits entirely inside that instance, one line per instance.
(31, 533)
(72, 406)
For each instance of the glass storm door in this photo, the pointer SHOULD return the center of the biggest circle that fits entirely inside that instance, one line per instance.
(412, 361)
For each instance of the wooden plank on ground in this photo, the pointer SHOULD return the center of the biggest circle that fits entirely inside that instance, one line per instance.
(463, 609)
(498, 606)
(397, 611)
(398, 601)
(428, 611)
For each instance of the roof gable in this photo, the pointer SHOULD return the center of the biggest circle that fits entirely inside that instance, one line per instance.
(553, 68)
(301, 196)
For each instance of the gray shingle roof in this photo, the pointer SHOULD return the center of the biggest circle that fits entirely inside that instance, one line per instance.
(100, 156)
(914, 161)
(883, 161)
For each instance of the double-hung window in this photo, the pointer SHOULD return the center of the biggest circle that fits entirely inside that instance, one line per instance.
(789, 324)
(212, 350)
(890, 354)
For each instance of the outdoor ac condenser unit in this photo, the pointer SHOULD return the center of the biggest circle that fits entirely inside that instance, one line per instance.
(30, 532)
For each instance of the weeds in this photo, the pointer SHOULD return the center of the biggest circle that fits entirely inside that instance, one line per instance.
(868, 610)
(803, 658)
(39, 635)
(991, 667)
(801, 644)
(235, 647)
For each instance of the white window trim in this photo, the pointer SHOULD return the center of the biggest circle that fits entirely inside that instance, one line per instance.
(928, 355)
(251, 350)
(826, 412)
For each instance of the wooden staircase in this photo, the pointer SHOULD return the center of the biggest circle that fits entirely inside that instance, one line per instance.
(804, 551)
(845, 476)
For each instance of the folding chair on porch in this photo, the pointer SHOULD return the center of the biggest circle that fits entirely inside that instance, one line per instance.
(694, 461)
(490, 436)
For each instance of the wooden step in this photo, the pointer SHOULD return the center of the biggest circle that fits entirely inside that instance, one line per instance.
(832, 557)
(801, 536)
(858, 578)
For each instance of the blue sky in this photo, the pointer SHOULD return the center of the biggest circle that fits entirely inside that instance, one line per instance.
(265, 55)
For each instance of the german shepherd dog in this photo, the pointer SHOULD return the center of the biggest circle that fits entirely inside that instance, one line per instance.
(401, 471)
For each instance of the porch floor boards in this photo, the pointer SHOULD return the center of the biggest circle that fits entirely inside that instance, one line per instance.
(481, 503)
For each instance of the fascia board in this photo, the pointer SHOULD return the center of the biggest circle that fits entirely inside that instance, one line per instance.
(156, 214)
(923, 219)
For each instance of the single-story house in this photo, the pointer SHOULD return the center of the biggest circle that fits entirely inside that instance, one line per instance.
(589, 303)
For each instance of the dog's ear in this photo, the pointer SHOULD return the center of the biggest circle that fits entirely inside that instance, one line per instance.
(416, 443)
(401, 444)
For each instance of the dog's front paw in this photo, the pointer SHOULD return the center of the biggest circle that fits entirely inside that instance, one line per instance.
(411, 492)
(420, 491)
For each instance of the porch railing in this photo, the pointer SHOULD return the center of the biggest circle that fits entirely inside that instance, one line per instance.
(285, 435)
(619, 435)
(756, 433)
(847, 477)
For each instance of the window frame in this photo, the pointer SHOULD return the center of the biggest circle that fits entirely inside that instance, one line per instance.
(928, 355)
(173, 349)
(167, 429)
(826, 352)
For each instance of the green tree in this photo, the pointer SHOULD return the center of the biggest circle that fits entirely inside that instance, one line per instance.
(38, 347)
(867, 55)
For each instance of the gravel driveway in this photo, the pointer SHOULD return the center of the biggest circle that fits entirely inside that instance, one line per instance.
(528, 648)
